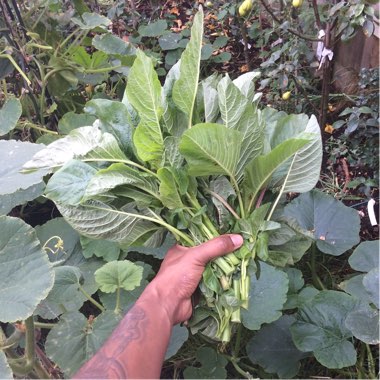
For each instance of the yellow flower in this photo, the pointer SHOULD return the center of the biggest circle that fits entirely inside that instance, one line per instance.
(329, 128)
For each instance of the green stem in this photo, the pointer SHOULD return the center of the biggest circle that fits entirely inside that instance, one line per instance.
(43, 325)
(102, 70)
(234, 362)
(371, 363)
(117, 306)
(30, 342)
(16, 66)
(94, 302)
(34, 126)
(316, 280)
(241, 205)
(41, 371)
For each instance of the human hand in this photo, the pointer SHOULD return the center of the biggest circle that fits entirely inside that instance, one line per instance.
(181, 272)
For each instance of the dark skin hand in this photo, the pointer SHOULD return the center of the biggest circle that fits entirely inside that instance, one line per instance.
(137, 347)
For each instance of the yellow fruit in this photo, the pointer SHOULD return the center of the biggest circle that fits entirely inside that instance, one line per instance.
(209, 4)
(286, 95)
(245, 8)
(297, 3)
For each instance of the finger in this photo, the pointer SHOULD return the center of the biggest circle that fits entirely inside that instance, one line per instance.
(216, 247)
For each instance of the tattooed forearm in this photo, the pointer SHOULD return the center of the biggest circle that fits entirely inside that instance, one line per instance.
(107, 364)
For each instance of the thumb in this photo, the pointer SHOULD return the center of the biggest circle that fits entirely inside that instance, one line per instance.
(216, 247)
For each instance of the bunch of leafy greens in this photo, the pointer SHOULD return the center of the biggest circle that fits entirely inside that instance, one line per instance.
(195, 159)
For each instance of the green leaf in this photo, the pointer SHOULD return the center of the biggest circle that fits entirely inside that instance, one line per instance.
(335, 226)
(320, 328)
(74, 340)
(364, 324)
(65, 295)
(114, 118)
(5, 370)
(144, 93)
(210, 100)
(112, 44)
(365, 256)
(212, 365)
(153, 29)
(173, 184)
(169, 41)
(371, 284)
(211, 149)
(267, 295)
(185, 88)
(178, 337)
(107, 250)
(355, 287)
(88, 142)
(26, 276)
(245, 83)
(260, 170)
(97, 220)
(252, 128)
(118, 275)
(89, 21)
(15, 187)
(120, 174)
(68, 184)
(9, 115)
(72, 120)
(273, 349)
(232, 102)
(303, 172)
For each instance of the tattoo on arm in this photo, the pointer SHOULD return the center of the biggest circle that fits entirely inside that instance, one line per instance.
(106, 363)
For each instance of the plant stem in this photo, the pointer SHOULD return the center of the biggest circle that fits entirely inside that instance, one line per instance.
(225, 203)
(241, 205)
(30, 342)
(41, 371)
(316, 280)
(34, 126)
(371, 363)
(234, 362)
(43, 325)
(94, 302)
(117, 306)
(17, 67)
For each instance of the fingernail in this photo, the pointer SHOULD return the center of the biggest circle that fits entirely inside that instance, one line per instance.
(237, 240)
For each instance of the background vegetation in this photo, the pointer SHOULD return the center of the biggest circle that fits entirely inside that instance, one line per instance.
(65, 65)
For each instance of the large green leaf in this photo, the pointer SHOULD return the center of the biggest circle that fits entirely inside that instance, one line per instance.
(118, 275)
(210, 100)
(105, 249)
(178, 337)
(320, 328)
(211, 149)
(364, 324)
(144, 93)
(365, 256)
(185, 88)
(68, 255)
(173, 184)
(89, 21)
(74, 340)
(120, 174)
(371, 285)
(335, 227)
(5, 370)
(69, 183)
(112, 44)
(260, 170)
(302, 173)
(15, 187)
(9, 115)
(115, 119)
(72, 120)
(252, 128)
(245, 83)
(26, 276)
(87, 142)
(267, 295)
(212, 365)
(99, 221)
(273, 349)
(232, 102)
